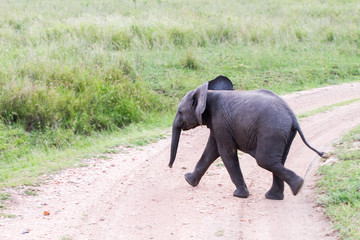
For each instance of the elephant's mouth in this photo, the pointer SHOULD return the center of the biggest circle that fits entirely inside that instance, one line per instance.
(185, 127)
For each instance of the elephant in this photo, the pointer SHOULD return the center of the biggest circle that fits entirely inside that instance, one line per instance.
(259, 123)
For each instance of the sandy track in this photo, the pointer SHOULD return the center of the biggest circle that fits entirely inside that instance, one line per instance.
(134, 195)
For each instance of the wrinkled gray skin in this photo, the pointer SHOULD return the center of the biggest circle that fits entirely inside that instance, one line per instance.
(258, 122)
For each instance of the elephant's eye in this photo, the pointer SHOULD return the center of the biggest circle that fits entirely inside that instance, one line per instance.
(193, 102)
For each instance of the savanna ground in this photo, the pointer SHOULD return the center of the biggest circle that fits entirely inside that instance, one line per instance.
(132, 194)
(80, 77)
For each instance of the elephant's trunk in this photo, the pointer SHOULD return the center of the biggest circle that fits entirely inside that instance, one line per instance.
(174, 143)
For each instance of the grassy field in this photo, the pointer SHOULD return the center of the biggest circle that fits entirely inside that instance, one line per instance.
(76, 76)
(340, 187)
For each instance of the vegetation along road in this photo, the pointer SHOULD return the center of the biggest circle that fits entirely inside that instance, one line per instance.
(79, 77)
(132, 194)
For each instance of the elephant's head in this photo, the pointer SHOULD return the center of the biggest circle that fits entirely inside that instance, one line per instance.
(191, 108)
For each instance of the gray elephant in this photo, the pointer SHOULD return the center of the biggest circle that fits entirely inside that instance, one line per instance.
(258, 122)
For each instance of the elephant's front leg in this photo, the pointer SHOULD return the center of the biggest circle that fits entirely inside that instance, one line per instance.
(209, 155)
(231, 162)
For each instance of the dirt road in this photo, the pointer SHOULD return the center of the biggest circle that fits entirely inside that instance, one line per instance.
(134, 195)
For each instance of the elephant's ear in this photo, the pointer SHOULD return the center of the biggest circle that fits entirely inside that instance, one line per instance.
(200, 96)
(220, 83)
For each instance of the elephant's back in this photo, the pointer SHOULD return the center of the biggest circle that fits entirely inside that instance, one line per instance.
(248, 115)
(277, 117)
(263, 107)
(253, 106)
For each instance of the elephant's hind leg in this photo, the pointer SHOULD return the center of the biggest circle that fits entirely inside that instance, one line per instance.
(209, 155)
(276, 191)
(268, 158)
(281, 174)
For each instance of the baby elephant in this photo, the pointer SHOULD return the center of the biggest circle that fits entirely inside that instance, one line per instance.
(258, 122)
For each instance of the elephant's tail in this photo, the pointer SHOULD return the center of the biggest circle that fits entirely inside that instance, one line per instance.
(297, 127)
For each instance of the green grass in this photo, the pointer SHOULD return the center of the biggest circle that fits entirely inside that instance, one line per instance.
(340, 187)
(4, 196)
(76, 75)
(32, 154)
(30, 192)
(326, 108)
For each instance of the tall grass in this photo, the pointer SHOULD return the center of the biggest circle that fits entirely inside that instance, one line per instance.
(339, 185)
(53, 95)
(81, 67)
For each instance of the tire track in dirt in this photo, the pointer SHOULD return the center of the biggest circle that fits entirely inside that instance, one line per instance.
(134, 195)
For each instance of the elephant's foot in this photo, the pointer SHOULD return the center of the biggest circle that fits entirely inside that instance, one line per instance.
(274, 195)
(191, 179)
(296, 184)
(241, 193)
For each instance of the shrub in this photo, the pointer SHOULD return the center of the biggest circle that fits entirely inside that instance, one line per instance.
(81, 100)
